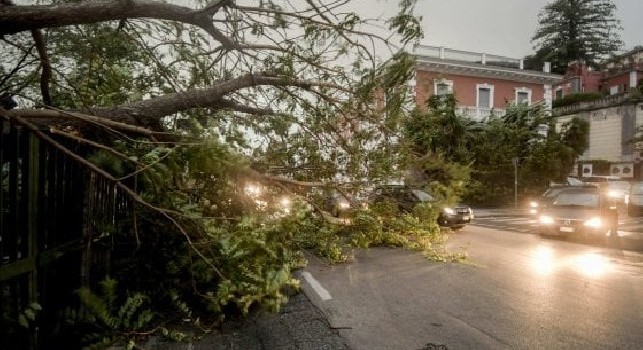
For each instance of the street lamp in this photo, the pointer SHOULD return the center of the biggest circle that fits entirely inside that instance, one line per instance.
(514, 160)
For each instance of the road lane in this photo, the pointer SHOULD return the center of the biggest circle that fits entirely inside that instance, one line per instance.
(521, 292)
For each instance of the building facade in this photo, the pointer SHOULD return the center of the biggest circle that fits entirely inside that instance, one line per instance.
(614, 124)
(482, 83)
(616, 76)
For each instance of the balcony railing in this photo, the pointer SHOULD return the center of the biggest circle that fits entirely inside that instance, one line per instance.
(478, 114)
(444, 53)
(607, 101)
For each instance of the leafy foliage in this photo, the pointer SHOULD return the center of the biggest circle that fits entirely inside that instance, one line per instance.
(289, 97)
(458, 158)
(575, 98)
(571, 30)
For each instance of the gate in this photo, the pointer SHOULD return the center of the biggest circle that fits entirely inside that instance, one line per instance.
(51, 209)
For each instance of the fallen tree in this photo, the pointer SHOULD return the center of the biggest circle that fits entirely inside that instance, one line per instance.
(179, 107)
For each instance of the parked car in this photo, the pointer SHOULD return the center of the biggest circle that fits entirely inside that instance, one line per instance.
(635, 199)
(580, 210)
(407, 198)
(337, 204)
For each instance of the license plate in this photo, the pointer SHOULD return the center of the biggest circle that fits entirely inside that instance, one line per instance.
(566, 229)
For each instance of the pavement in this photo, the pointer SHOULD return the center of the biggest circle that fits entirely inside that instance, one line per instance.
(300, 325)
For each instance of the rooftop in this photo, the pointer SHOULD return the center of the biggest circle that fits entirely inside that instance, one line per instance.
(448, 60)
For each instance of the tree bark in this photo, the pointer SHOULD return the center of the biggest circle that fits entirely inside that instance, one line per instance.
(16, 19)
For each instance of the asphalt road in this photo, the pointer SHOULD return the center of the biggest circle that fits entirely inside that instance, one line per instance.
(519, 292)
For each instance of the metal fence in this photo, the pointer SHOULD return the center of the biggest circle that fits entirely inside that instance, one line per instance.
(51, 210)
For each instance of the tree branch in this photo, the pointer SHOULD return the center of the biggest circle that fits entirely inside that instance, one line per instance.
(210, 97)
(16, 19)
(45, 75)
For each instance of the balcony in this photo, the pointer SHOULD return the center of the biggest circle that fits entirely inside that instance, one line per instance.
(478, 114)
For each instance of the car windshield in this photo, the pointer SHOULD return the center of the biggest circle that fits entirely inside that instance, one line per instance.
(552, 192)
(577, 199)
(423, 196)
(637, 188)
(621, 186)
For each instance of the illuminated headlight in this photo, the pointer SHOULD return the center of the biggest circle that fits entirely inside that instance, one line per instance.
(533, 204)
(546, 220)
(344, 205)
(253, 190)
(285, 202)
(594, 222)
(613, 194)
(448, 211)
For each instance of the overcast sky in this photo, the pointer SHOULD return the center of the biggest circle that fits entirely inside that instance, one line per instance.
(502, 27)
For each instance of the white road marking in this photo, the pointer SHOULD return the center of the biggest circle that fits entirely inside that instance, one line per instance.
(317, 287)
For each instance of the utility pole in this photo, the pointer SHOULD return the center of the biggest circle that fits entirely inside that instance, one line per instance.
(515, 161)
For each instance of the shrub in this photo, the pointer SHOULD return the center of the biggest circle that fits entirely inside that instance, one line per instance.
(577, 98)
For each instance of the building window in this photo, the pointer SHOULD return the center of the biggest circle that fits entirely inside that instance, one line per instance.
(523, 95)
(484, 96)
(575, 85)
(559, 94)
(443, 87)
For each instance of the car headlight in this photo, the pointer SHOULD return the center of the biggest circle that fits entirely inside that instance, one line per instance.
(344, 205)
(533, 204)
(448, 211)
(253, 190)
(613, 194)
(285, 204)
(595, 222)
(546, 220)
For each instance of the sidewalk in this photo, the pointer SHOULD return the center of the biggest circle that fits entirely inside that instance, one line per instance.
(299, 326)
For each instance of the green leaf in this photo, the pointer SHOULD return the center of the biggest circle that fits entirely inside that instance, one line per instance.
(22, 320)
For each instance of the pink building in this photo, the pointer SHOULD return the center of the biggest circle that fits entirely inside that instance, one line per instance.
(482, 83)
(616, 76)
(623, 72)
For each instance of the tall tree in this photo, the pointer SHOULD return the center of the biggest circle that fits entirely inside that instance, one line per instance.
(571, 30)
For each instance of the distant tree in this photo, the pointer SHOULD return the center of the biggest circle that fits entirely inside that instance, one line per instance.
(576, 30)
(518, 134)
(439, 129)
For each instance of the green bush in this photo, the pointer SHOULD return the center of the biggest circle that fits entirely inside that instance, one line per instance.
(576, 98)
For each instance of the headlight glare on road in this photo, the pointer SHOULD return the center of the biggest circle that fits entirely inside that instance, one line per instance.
(546, 220)
(448, 211)
(533, 204)
(594, 222)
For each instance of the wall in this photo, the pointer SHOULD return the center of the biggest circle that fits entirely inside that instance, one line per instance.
(611, 132)
(465, 91)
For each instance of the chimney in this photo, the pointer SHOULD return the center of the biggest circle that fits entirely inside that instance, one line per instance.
(547, 67)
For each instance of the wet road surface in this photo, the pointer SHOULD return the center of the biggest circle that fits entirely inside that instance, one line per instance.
(517, 292)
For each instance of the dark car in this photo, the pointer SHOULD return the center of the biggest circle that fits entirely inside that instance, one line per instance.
(337, 204)
(407, 198)
(635, 199)
(585, 211)
(536, 205)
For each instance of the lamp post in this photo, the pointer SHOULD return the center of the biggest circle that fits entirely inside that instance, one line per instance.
(514, 160)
